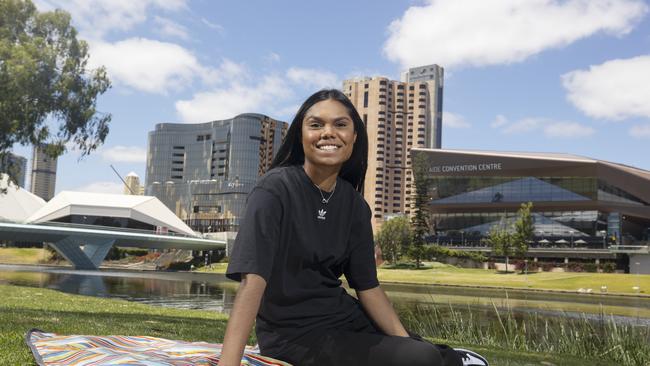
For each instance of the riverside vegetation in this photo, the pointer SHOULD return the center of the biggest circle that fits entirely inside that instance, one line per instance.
(23, 308)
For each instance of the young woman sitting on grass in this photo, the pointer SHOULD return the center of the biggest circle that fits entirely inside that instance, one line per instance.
(305, 225)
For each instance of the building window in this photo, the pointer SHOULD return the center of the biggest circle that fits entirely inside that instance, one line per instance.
(365, 98)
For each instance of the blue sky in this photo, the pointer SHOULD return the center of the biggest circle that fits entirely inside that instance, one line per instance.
(568, 76)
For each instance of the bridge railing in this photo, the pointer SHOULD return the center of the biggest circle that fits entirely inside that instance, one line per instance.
(113, 228)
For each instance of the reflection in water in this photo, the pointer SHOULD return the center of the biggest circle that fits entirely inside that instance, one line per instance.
(214, 292)
(182, 290)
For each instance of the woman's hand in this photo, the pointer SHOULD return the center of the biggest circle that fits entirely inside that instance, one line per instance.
(242, 316)
(380, 310)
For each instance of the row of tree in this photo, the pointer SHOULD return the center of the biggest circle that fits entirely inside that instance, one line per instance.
(398, 237)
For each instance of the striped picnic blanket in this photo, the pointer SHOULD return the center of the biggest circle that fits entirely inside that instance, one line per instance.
(50, 349)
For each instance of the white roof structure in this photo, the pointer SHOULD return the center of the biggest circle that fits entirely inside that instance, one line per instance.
(132, 174)
(146, 209)
(17, 204)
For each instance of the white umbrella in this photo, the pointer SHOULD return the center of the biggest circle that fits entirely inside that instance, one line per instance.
(580, 241)
(561, 241)
(543, 241)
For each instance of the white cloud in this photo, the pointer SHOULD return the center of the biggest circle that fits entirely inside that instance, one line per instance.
(549, 128)
(453, 120)
(170, 28)
(236, 98)
(212, 25)
(567, 130)
(150, 66)
(499, 121)
(640, 131)
(124, 154)
(457, 32)
(96, 18)
(102, 187)
(616, 89)
(313, 78)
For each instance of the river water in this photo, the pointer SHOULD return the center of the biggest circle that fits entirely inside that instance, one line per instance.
(216, 293)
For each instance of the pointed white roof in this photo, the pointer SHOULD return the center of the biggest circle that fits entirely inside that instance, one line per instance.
(17, 204)
(132, 174)
(147, 209)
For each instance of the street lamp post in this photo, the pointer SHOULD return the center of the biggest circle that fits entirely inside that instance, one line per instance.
(571, 233)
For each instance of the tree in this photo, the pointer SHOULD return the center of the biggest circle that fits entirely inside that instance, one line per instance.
(44, 79)
(524, 229)
(500, 239)
(394, 238)
(420, 227)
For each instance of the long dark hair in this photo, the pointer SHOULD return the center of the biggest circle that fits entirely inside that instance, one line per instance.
(291, 152)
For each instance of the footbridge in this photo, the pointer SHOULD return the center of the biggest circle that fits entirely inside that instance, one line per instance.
(86, 246)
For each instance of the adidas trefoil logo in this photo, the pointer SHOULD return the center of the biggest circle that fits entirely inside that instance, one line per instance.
(321, 214)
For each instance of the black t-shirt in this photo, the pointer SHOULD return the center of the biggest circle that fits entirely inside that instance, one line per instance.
(301, 247)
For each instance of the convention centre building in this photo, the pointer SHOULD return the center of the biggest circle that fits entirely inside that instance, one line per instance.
(578, 202)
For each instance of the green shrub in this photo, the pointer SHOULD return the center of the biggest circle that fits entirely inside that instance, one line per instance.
(436, 251)
(609, 267)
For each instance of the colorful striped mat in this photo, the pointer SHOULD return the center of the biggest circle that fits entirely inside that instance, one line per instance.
(81, 350)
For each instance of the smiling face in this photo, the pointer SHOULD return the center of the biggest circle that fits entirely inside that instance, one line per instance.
(328, 135)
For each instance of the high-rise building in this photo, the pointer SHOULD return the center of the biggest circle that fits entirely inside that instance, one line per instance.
(398, 117)
(433, 76)
(203, 172)
(43, 173)
(17, 164)
(133, 186)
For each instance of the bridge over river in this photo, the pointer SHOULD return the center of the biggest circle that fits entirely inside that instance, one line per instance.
(86, 246)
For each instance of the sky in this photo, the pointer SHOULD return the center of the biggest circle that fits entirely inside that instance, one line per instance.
(569, 76)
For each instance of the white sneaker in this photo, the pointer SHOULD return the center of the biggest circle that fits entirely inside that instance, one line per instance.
(471, 358)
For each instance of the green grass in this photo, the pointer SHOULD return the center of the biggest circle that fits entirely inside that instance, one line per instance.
(23, 308)
(22, 255)
(577, 338)
(443, 274)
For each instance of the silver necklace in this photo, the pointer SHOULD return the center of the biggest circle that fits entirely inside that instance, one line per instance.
(325, 200)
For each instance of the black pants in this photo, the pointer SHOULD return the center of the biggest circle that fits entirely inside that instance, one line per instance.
(365, 345)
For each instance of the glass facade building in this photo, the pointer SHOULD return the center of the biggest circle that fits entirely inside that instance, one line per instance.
(203, 172)
(576, 201)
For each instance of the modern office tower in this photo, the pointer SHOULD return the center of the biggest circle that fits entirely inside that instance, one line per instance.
(433, 76)
(133, 186)
(17, 164)
(203, 172)
(43, 173)
(398, 117)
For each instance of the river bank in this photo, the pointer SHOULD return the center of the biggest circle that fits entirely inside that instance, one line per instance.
(23, 308)
(618, 284)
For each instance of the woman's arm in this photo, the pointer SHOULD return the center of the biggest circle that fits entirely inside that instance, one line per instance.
(380, 310)
(242, 316)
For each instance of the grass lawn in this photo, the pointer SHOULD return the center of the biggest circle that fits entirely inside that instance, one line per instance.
(567, 281)
(23, 308)
(444, 274)
(21, 255)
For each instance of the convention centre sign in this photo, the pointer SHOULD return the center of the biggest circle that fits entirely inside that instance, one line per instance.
(464, 168)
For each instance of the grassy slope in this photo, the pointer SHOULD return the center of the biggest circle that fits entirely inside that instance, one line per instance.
(23, 308)
(450, 275)
(21, 255)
